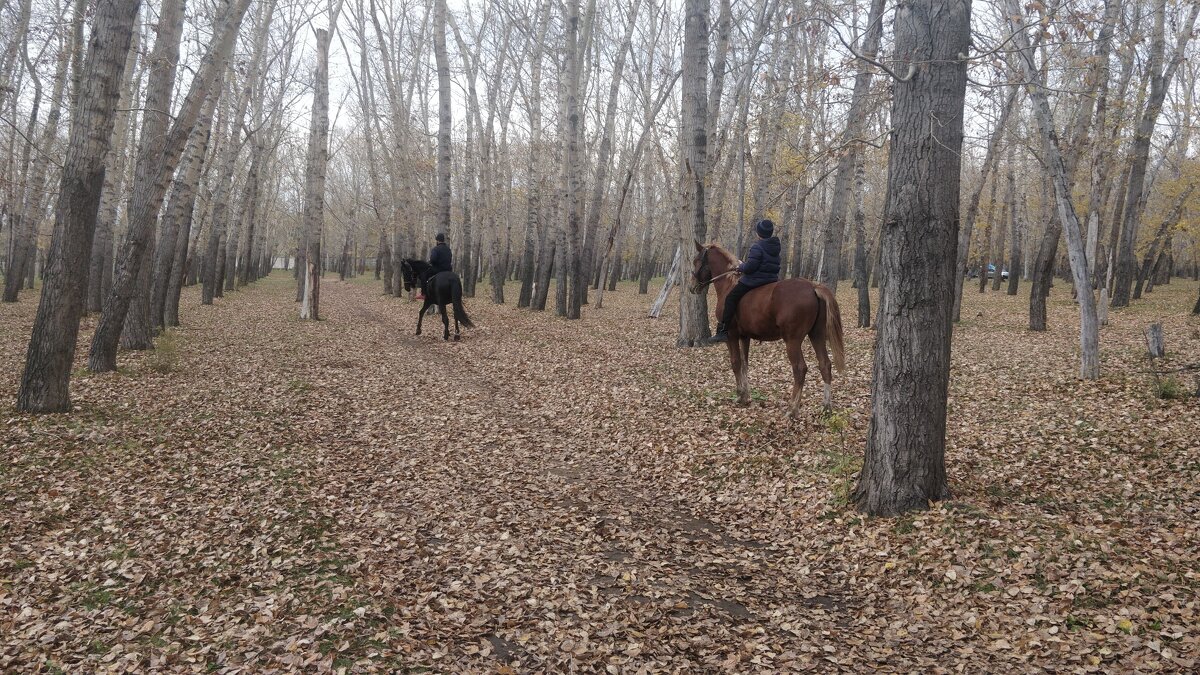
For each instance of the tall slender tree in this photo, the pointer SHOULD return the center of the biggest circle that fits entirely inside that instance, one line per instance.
(693, 229)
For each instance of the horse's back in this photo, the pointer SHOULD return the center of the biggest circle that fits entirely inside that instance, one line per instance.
(795, 306)
(779, 310)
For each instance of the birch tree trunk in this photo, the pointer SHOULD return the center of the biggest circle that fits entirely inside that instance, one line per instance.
(693, 306)
(444, 119)
(46, 378)
(604, 154)
(576, 278)
(314, 178)
(36, 182)
(533, 166)
(1014, 235)
(904, 465)
(172, 230)
(131, 328)
(1089, 331)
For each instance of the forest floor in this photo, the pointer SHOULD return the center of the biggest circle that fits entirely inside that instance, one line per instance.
(545, 496)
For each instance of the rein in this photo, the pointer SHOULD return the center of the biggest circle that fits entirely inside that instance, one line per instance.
(725, 274)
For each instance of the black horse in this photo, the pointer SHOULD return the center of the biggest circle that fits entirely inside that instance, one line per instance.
(443, 288)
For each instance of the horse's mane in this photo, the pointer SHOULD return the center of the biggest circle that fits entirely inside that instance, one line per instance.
(729, 257)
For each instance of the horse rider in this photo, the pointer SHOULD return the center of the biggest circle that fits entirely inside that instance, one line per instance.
(760, 268)
(440, 259)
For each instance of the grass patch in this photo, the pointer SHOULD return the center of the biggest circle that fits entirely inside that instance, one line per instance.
(92, 595)
(842, 467)
(1170, 388)
(164, 358)
(97, 647)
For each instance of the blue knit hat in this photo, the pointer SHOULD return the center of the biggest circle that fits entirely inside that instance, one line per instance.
(765, 228)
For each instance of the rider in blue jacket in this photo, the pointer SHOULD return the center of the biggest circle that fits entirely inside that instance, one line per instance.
(760, 268)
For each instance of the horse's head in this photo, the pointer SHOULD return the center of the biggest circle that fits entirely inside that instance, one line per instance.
(701, 269)
(406, 274)
(410, 271)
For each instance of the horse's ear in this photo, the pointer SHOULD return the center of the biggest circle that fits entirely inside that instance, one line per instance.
(699, 246)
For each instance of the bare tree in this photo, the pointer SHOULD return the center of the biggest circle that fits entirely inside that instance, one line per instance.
(314, 176)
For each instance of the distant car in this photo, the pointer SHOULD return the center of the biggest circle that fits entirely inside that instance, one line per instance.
(973, 273)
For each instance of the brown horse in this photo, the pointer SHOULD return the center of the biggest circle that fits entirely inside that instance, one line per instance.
(787, 310)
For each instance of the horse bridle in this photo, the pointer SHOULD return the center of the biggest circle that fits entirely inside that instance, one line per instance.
(701, 285)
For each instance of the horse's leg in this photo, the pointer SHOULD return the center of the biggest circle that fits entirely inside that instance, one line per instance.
(445, 322)
(735, 364)
(421, 314)
(795, 353)
(743, 371)
(826, 366)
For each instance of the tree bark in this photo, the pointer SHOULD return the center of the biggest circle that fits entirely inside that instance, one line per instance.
(100, 269)
(46, 378)
(604, 154)
(444, 124)
(693, 306)
(860, 250)
(533, 166)
(314, 176)
(576, 279)
(314, 181)
(904, 464)
(126, 320)
(1014, 234)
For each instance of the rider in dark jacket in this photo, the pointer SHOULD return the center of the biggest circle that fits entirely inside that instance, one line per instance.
(760, 268)
(440, 260)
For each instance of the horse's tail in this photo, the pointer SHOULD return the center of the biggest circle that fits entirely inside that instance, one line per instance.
(460, 313)
(833, 326)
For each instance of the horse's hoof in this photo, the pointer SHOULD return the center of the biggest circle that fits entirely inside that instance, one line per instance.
(456, 338)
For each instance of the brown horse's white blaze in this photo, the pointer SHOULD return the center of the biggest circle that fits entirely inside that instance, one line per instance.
(788, 310)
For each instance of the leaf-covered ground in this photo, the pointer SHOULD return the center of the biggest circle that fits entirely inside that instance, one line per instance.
(267, 494)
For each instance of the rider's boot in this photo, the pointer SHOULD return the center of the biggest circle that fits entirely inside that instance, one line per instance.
(720, 336)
